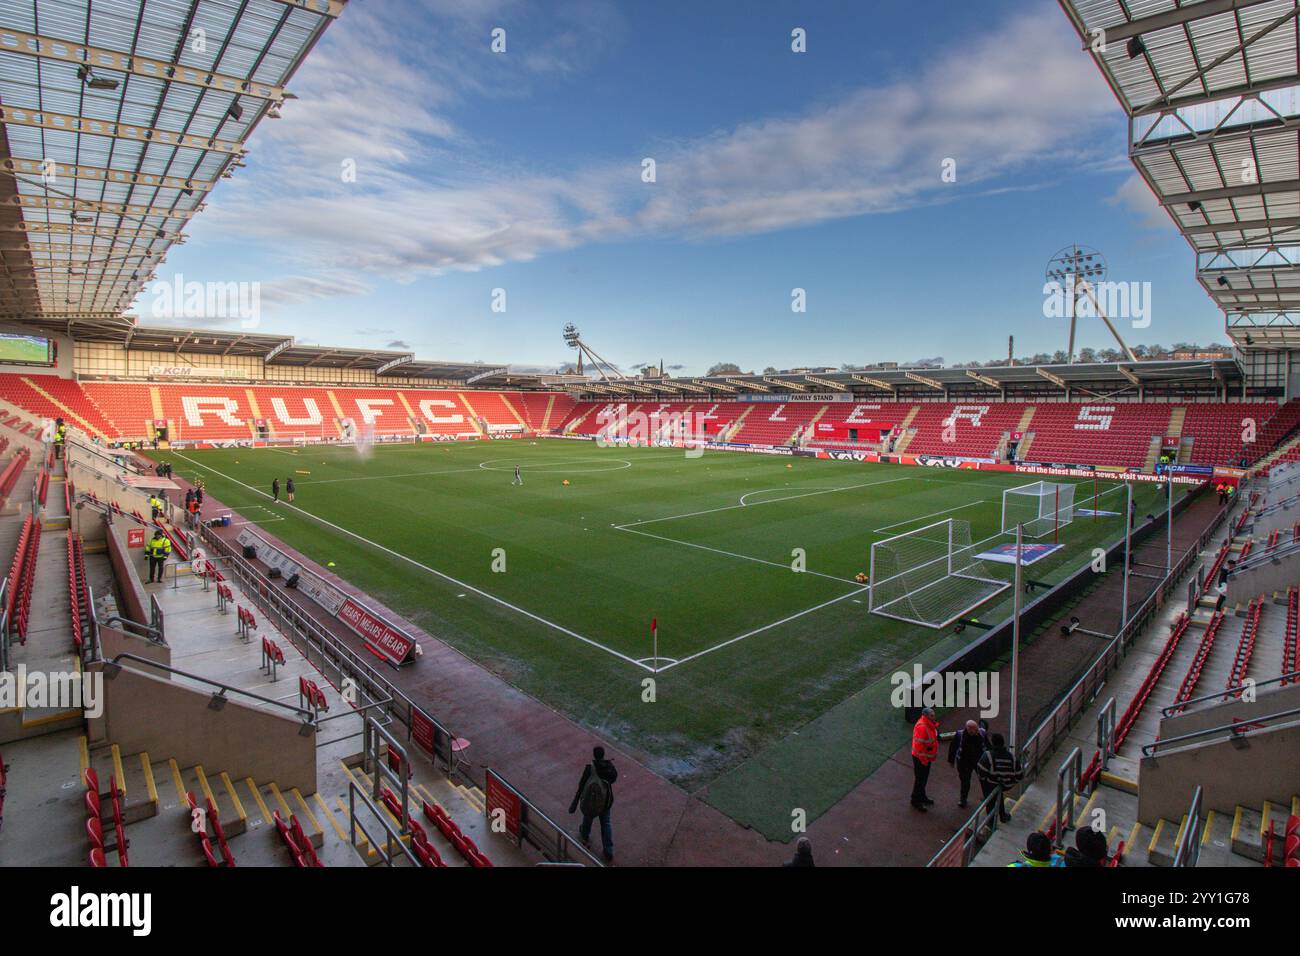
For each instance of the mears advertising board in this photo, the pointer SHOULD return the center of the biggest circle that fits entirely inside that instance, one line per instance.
(381, 638)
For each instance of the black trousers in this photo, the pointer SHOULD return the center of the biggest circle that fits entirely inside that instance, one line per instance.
(964, 774)
(156, 566)
(920, 774)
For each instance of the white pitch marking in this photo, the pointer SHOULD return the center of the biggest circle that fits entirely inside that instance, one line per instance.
(733, 554)
(424, 567)
(760, 630)
(772, 501)
(933, 514)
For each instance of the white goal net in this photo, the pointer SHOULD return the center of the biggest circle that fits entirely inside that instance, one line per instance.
(1042, 507)
(931, 576)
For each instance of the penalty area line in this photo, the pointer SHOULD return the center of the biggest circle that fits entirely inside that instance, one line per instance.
(759, 630)
(424, 567)
(933, 514)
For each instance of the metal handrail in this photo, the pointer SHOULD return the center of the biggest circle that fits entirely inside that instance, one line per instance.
(560, 850)
(306, 715)
(1106, 732)
(1228, 692)
(1238, 729)
(146, 631)
(986, 817)
(1187, 850)
(1071, 770)
(1110, 655)
(384, 850)
(1261, 558)
(296, 622)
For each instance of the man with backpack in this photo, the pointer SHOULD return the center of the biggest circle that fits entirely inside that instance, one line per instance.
(595, 797)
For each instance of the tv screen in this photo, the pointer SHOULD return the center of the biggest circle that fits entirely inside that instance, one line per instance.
(26, 349)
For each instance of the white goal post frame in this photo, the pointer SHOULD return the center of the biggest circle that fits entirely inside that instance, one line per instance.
(999, 586)
(1050, 521)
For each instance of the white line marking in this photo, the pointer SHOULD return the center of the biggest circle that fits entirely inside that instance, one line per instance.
(733, 554)
(760, 630)
(772, 501)
(425, 567)
(933, 514)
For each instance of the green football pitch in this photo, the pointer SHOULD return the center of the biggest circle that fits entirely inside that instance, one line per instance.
(747, 561)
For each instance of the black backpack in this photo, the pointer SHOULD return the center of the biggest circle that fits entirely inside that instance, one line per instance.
(595, 795)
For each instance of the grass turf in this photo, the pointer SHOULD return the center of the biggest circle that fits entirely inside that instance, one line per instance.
(704, 545)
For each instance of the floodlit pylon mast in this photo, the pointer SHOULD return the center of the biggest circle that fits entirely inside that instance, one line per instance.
(1075, 269)
(607, 369)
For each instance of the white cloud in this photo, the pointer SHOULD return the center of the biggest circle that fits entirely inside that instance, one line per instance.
(1135, 196)
(1018, 104)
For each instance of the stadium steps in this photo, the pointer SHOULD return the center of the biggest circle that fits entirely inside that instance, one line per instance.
(738, 424)
(908, 432)
(473, 415)
(581, 416)
(1153, 454)
(1227, 839)
(1176, 419)
(157, 814)
(805, 432)
(505, 400)
(546, 417)
(418, 794)
(1280, 451)
(48, 647)
(1022, 450)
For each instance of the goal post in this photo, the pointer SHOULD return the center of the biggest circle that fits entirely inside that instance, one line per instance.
(930, 576)
(1043, 507)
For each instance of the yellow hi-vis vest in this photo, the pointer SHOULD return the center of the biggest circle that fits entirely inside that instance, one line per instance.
(159, 547)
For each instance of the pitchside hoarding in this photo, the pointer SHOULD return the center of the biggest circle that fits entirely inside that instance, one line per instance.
(381, 638)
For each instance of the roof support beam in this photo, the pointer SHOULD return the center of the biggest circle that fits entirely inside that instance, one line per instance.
(987, 380)
(825, 383)
(914, 377)
(326, 8)
(469, 381)
(1243, 225)
(1054, 379)
(66, 123)
(1204, 69)
(1128, 374)
(50, 173)
(874, 382)
(1122, 32)
(31, 44)
(1232, 192)
(72, 205)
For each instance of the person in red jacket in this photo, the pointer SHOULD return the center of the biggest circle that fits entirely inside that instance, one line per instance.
(925, 748)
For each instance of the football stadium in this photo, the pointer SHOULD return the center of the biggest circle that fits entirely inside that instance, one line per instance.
(284, 592)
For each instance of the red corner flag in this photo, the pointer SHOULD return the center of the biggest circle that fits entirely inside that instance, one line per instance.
(654, 624)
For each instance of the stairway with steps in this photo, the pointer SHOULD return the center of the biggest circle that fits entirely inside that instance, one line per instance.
(1233, 835)
(158, 818)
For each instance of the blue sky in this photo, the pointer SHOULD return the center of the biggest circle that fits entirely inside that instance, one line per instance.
(521, 171)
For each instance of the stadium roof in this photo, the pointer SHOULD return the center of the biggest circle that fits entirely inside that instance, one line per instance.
(1098, 377)
(282, 350)
(117, 119)
(1212, 91)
